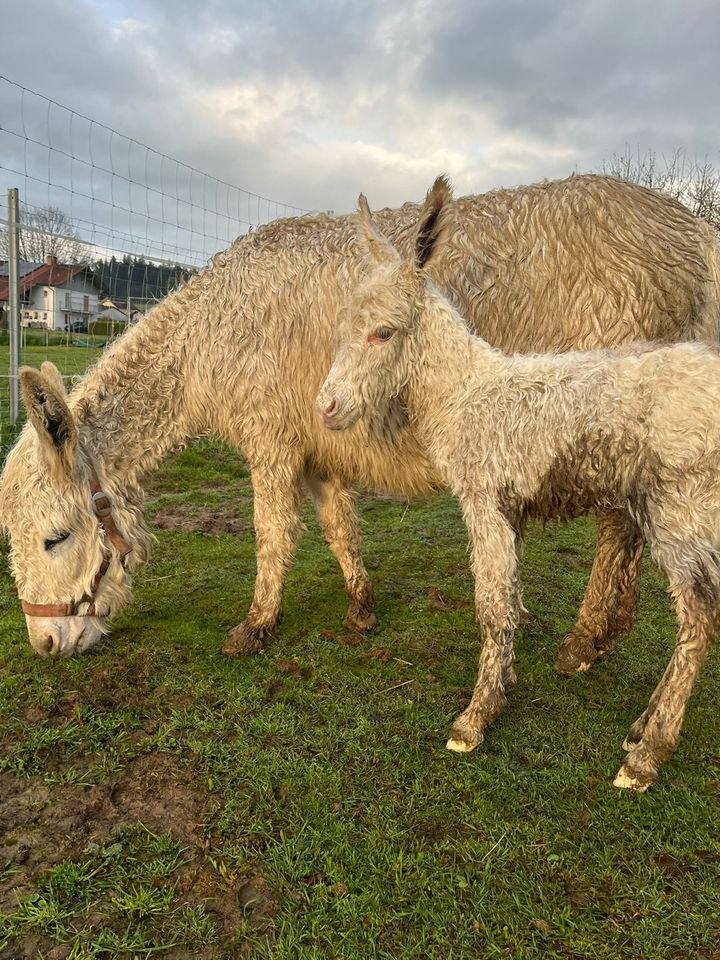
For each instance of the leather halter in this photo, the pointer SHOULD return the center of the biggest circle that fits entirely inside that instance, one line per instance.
(102, 508)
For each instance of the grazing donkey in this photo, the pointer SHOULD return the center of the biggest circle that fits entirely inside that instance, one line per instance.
(240, 352)
(635, 429)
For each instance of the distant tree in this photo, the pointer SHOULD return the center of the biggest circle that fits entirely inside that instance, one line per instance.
(46, 231)
(697, 185)
(137, 279)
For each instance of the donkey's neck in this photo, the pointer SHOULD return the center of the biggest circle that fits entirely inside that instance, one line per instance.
(448, 360)
(130, 408)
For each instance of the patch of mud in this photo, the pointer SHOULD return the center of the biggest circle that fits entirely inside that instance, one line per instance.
(573, 558)
(188, 517)
(438, 601)
(42, 824)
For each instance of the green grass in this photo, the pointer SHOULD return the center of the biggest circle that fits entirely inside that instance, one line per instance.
(158, 798)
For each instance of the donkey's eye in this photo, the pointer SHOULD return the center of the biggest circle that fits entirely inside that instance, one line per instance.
(54, 541)
(381, 335)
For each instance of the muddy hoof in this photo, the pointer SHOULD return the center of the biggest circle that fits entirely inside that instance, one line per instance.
(626, 780)
(245, 638)
(364, 621)
(639, 771)
(577, 654)
(465, 735)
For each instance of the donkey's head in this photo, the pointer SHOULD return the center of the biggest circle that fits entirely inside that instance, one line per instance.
(375, 356)
(69, 559)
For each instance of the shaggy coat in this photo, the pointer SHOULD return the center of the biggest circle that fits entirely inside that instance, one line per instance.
(548, 436)
(242, 349)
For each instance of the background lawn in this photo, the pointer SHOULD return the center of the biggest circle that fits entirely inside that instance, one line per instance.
(158, 798)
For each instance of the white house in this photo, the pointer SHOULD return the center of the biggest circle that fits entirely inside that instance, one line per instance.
(55, 296)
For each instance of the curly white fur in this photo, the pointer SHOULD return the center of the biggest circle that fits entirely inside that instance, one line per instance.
(242, 349)
(635, 430)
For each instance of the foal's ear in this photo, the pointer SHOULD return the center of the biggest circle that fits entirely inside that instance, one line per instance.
(434, 222)
(375, 244)
(44, 400)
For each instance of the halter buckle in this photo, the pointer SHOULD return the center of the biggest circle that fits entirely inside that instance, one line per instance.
(102, 507)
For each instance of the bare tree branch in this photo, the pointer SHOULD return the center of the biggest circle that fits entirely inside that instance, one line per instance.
(697, 185)
(46, 231)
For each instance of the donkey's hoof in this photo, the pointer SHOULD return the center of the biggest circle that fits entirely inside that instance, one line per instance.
(460, 746)
(577, 654)
(464, 736)
(639, 771)
(364, 621)
(245, 638)
(625, 780)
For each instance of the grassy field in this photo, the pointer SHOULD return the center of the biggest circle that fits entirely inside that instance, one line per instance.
(160, 799)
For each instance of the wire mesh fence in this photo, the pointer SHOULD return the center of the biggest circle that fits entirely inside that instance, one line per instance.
(109, 226)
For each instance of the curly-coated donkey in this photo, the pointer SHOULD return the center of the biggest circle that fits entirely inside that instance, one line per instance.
(542, 435)
(240, 351)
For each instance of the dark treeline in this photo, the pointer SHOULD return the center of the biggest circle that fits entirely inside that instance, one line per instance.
(136, 279)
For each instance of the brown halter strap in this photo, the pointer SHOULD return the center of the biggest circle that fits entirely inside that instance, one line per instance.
(102, 508)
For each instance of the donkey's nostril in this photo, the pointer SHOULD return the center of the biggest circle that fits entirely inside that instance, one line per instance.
(46, 644)
(331, 408)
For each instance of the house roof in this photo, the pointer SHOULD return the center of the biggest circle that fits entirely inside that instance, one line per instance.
(48, 274)
(24, 267)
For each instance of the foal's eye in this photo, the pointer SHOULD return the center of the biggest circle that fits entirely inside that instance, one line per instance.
(381, 335)
(54, 541)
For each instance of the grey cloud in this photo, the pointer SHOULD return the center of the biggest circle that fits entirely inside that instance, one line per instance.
(541, 66)
(367, 95)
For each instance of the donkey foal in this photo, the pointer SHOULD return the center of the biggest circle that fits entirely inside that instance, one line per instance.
(548, 436)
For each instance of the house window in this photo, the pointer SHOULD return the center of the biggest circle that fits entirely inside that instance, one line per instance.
(67, 300)
(45, 294)
(86, 304)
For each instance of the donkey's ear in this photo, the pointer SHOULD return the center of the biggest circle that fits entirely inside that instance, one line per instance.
(44, 400)
(434, 222)
(376, 246)
(51, 372)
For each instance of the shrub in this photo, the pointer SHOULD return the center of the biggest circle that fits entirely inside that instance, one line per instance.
(106, 327)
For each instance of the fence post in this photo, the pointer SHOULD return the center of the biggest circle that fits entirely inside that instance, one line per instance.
(14, 301)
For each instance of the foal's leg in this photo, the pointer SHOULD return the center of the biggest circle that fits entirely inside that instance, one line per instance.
(509, 677)
(637, 729)
(661, 722)
(276, 513)
(494, 565)
(610, 601)
(335, 507)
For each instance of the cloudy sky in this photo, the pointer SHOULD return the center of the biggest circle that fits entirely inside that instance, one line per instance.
(310, 102)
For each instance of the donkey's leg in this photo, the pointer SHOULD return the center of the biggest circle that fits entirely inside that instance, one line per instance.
(335, 507)
(277, 495)
(610, 601)
(496, 604)
(697, 617)
(509, 677)
(637, 729)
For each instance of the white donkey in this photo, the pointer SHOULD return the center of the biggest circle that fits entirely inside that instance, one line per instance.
(241, 350)
(635, 429)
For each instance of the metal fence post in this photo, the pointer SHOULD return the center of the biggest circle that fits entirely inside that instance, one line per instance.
(14, 301)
